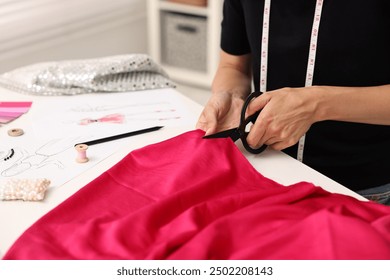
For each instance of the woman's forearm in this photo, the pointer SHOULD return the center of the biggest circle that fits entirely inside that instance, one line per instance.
(233, 75)
(369, 105)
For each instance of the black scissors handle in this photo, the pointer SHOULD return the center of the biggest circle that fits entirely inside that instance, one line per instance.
(245, 121)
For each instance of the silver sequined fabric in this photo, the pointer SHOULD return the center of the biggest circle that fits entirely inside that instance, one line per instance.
(107, 74)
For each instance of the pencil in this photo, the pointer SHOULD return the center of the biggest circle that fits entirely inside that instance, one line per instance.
(120, 136)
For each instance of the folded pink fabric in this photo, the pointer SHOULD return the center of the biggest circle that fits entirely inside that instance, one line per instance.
(190, 198)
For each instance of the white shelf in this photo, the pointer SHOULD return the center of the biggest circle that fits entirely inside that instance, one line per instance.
(183, 8)
(213, 16)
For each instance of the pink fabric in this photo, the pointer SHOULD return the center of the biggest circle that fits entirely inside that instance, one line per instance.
(189, 198)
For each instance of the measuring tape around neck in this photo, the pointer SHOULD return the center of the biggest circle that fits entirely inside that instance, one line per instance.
(310, 62)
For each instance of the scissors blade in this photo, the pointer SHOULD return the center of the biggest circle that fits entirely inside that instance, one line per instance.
(233, 133)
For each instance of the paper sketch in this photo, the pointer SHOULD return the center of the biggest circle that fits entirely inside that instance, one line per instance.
(103, 108)
(53, 159)
(109, 114)
(118, 118)
(55, 125)
(22, 160)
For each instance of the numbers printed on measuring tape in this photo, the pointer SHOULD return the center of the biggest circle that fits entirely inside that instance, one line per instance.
(241, 270)
(310, 63)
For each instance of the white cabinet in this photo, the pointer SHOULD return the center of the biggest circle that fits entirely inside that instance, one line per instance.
(185, 39)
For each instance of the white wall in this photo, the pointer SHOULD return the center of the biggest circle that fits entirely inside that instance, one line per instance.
(46, 30)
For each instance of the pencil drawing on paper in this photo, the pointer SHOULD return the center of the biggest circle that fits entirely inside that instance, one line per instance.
(86, 108)
(17, 160)
(108, 115)
(118, 118)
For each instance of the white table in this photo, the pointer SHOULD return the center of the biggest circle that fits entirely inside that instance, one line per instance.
(17, 216)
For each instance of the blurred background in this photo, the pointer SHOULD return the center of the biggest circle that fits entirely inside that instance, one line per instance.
(181, 35)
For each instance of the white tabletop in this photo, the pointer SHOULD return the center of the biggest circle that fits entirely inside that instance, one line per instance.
(17, 216)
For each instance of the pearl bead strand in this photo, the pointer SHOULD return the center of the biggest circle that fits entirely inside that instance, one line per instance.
(24, 189)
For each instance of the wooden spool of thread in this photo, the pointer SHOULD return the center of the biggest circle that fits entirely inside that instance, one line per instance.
(81, 153)
(15, 132)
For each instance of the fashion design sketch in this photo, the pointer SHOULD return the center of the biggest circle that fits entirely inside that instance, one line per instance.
(108, 115)
(46, 149)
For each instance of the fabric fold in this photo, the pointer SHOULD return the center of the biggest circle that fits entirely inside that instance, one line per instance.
(192, 198)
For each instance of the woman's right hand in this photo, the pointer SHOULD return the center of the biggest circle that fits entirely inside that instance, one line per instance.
(221, 112)
(231, 85)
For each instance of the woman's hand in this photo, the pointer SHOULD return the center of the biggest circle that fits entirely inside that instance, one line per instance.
(286, 116)
(221, 112)
(231, 84)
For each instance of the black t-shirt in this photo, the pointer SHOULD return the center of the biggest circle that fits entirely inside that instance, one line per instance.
(353, 50)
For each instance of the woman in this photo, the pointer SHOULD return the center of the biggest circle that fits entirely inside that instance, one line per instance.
(324, 68)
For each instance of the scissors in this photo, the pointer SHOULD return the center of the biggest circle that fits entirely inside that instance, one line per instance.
(240, 131)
